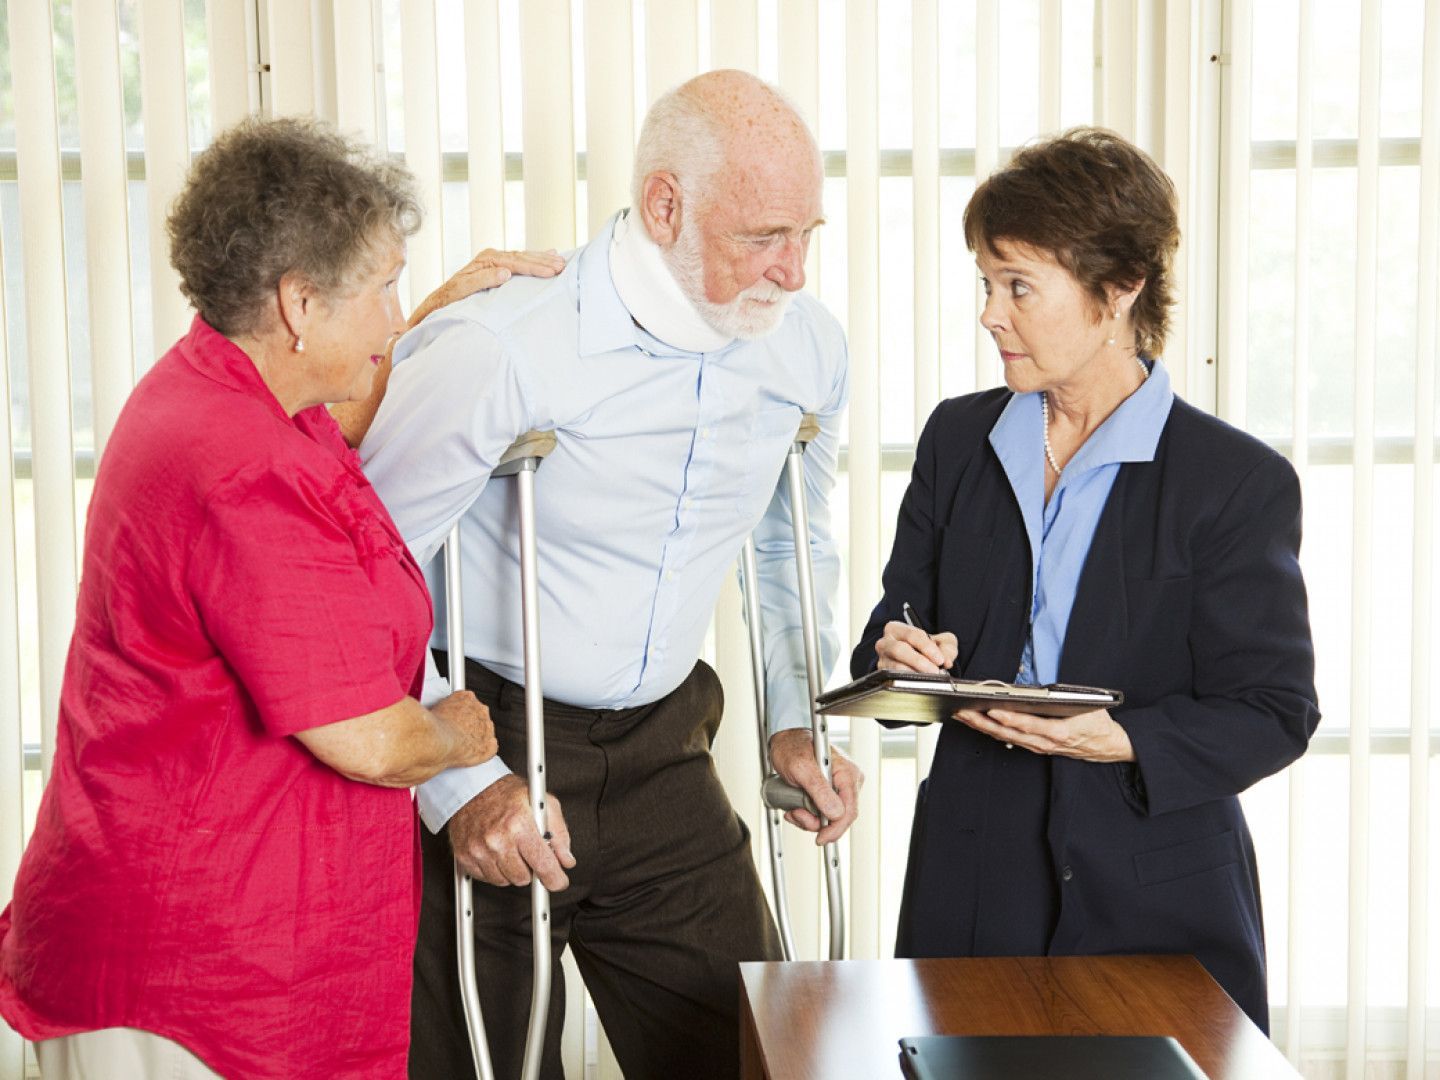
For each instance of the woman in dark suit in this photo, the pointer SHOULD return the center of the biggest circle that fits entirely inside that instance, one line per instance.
(1083, 525)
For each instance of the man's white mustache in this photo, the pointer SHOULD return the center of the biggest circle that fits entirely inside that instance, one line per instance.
(764, 291)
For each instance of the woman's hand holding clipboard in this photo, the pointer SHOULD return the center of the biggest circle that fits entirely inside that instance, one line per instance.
(924, 698)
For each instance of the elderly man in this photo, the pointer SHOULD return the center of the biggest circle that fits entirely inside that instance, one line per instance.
(673, 358)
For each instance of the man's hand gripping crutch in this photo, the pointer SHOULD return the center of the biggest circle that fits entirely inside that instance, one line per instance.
(513, 833)
(817, 788)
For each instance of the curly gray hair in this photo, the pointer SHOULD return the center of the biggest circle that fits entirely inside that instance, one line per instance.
(271, 197)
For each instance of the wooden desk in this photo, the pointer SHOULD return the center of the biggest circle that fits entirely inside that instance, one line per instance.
(839, 1019)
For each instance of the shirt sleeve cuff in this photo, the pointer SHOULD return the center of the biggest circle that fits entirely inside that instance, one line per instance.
(441, 796)
(436, 687)
(789, 701)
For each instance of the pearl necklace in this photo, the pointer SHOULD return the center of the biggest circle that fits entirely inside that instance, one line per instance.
(1045, 417)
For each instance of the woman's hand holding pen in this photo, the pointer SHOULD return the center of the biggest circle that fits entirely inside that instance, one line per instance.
(907, 647)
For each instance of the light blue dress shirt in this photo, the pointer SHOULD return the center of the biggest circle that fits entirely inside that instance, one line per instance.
(1060, 531)
(665, 461)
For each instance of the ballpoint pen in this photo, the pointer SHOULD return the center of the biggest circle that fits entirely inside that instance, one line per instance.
(908, 613)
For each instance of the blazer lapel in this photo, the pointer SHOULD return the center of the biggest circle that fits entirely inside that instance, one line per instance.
(1100, 616)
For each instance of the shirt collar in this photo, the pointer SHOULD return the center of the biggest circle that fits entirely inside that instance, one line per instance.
(1130, 433)
(605, 324)
(219, 359)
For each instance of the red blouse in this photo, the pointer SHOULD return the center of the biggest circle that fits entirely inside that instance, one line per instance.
(194, 871)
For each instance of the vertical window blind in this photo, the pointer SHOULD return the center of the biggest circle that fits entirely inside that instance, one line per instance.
(1303, 137)
(1328, 257)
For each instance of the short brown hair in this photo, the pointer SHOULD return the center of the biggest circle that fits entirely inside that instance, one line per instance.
(1100, 207)
(271, 197)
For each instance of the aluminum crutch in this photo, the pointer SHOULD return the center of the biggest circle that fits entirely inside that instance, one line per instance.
(520, 460)
(777, 795)
(750, 590)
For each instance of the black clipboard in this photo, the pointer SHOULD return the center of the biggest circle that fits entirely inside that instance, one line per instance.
(1046, 1057)
(917, 698)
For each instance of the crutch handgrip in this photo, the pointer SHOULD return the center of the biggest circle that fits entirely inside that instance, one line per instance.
(779, 795)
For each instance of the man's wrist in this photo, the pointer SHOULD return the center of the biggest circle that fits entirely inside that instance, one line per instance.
(784, 726)
(441, 798)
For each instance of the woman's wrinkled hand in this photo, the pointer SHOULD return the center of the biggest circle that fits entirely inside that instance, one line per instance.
(485, 271)
(1087, 736)
(908, 648)
(469, 721)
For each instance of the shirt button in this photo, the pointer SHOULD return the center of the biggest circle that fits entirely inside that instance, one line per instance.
(669, 575)
(685, 504)
(1066, 874)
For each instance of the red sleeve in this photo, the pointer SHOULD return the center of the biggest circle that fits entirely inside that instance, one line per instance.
(285, 590)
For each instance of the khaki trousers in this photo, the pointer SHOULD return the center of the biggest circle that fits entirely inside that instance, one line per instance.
(663, 904)
(118, 1054)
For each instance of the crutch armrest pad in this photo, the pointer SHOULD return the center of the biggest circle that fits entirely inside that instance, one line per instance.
(531, 445)
(809, 428)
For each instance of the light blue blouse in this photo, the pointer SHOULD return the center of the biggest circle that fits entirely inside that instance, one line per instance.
(1060, 532)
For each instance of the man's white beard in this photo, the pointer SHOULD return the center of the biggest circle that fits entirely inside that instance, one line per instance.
(742, 317)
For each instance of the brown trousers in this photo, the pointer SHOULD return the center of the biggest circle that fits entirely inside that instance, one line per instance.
(663, 902)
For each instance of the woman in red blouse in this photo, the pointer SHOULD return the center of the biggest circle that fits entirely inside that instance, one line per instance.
(224, 874)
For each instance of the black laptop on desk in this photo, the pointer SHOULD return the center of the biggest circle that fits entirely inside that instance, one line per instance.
(1046, 1057)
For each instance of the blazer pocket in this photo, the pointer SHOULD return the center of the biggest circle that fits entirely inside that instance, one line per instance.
(1190, 900)
(1187, 859)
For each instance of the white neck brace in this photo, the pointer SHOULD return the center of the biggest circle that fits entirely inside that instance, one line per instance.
(651, 294)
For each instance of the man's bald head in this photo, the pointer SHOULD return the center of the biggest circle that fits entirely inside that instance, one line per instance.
(721, 120)
(727, 183)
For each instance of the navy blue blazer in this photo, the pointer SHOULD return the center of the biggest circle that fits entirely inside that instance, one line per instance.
(1192, 603)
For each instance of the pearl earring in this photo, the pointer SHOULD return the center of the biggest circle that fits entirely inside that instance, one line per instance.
(300, 344)
(1111, 339)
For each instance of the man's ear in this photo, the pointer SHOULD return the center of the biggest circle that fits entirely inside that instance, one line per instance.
(660, 206)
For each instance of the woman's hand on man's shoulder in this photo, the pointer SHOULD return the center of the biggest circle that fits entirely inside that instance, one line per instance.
(485, 271)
